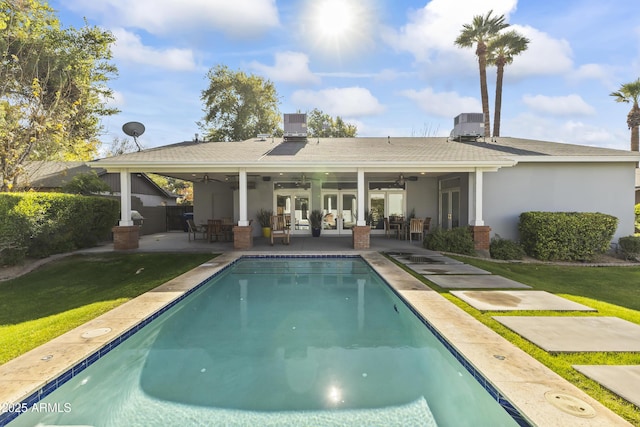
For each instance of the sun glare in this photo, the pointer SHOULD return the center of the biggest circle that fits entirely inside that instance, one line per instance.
(338, 27)
(334, 18)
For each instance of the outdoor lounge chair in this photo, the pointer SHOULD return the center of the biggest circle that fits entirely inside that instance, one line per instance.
(192, 228)
(279, 229)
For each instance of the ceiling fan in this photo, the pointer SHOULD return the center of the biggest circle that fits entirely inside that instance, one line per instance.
(403, 179)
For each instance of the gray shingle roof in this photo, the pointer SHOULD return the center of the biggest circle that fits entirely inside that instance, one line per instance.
(366, 151)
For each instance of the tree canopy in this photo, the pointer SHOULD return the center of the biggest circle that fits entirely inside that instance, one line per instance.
(238, 106)
(320, 124)
(479, 33)
(52, 87)
(630, 93)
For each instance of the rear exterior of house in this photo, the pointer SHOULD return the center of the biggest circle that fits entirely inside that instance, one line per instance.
(357, 182)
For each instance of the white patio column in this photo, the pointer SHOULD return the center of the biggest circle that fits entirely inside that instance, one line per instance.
(125, 198)
(242, 186)
(475, 197)
(361, 220)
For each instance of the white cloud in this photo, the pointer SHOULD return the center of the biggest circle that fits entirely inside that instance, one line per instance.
(569, 105)
(129, 48)
(546, 128)
(236, 18)
(544, 55)
(435, 27)
(443, 104)
(289, 67)
(344, 102)
(431, 31)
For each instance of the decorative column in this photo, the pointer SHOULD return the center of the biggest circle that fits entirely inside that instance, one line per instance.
(125, 234)
(481, 233)
(243, 232)
(361, 231)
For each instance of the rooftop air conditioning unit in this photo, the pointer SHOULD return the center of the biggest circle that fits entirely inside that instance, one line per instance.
(468, 126)
(295, 127)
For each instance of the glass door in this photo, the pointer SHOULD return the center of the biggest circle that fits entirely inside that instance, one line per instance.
(450, 208)
(294, 205)
(340, 211)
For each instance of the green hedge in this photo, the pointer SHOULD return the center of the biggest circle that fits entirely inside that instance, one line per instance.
(457, 240)
(630, 247)
(505, 249)
(40, 224)
(637, 212)
(566, 236)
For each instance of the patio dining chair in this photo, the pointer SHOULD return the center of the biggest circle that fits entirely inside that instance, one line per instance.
(279, 229)
(388, 229)
(216, 230)
(416, 227)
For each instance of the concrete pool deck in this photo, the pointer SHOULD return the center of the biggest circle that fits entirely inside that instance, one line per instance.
(541, 396)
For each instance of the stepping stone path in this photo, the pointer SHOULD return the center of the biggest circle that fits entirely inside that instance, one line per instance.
(554, 334)
(518, 300)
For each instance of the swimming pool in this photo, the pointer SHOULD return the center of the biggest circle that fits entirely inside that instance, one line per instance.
(320, 341)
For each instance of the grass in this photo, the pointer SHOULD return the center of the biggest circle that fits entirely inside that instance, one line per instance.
(613, 291)
(64, 294)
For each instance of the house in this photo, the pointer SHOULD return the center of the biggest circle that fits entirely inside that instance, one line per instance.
(484, 184)
(148, 198)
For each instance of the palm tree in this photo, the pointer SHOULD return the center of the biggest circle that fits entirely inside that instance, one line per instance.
(629, 92)
(480, 32)
(500, 52)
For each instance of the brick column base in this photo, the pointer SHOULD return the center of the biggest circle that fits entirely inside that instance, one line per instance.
(242, 237)
(481, 236)
(125, 237)
(361, 236)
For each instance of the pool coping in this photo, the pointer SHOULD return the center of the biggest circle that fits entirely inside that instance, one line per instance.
(534, 390)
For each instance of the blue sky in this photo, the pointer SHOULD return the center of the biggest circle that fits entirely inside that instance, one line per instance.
(388, 66)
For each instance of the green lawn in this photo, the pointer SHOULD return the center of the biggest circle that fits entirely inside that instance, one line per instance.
(64, 294)
(613, 291)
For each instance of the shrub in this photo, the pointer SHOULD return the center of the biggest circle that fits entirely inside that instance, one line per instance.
(505, 249)
(630, 247)
(41, 224)
(637, 212)
(457, 240)
(568, 236)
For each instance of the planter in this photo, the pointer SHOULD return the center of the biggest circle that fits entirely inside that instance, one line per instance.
(266, 232)
(315, 232)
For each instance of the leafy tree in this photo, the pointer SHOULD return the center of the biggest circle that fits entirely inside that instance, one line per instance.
(176, 186)
(238, 106)
(320, 124)
(629, 93)
(52, 87)
(479, 33)
(120, 146)
(501, 51)
(86, 184)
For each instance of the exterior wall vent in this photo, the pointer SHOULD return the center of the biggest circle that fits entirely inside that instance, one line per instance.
(467, 126)
(295, 127)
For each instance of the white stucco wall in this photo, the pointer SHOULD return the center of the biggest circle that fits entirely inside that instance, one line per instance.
(569, 187)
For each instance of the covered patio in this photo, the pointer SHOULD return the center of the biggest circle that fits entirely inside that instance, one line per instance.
(356, 183)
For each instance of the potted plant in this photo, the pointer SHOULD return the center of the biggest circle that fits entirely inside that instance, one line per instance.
(264, 218)
(315, 219)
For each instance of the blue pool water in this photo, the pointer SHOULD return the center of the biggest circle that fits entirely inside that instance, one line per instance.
(279, 341)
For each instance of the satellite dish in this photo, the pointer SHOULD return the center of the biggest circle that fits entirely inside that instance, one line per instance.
(134, 129)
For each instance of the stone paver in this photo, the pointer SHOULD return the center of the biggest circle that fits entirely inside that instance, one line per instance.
(486, 281)
(623, 380)
(429, 269)
(568, 334)
(518, 300)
